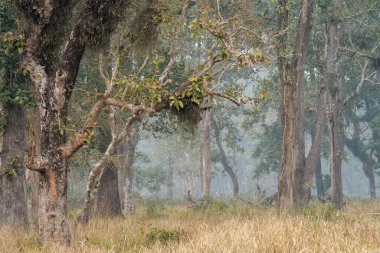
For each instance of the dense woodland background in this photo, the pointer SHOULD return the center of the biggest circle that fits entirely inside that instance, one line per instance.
(109, 107)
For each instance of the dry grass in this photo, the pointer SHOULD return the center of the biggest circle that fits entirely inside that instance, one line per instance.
(232, 228)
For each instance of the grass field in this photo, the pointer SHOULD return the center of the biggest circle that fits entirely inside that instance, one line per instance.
(233, 227)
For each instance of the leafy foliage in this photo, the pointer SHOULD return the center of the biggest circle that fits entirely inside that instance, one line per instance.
(267, 150)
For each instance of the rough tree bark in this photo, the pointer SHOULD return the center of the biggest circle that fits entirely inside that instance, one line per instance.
(53, 65)
(205, 146)
(127, 150)
(32, 177)
(13, 197)
(224, 161)
(291, 170)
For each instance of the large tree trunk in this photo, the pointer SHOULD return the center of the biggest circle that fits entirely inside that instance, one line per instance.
(205, 146)
(127, 150)
(33, 176)
(13, 198)
(291, 171)
(53, 66)
(52, 208)
(33, 180)
(108, 202)
(225, 164)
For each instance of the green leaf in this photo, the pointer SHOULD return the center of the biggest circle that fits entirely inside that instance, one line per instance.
(193, 78)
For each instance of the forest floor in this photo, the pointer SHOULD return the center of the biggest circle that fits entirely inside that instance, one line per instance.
(232, 227)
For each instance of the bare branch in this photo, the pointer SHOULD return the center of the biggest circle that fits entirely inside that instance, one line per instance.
(80, 138)
(363, 78)
(170, 65)
(357, 52)
(102, 73)
(143, 64)
(218, 9)
(359, 86)
(232, 99)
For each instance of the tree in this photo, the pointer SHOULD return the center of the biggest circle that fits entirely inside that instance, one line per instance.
(127, 151)
(205, 147)
(292, 163)
(52, 64)
(108, 200)
(13, 198)
(149, 95)
(227, 136)
(225, 163)
(357, 147)
(14, 98)
(338, 100)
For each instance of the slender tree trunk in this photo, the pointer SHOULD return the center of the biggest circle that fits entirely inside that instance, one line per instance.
(129, 204)
(335, 124)
(329, 75)
(125, 174)
(372, 185)
(201, 165)
(108, 201)
(319, 180)
(225, 164)
(336, 137)
(205, 147)
(170, 183)
(13, 197)
(313, 160)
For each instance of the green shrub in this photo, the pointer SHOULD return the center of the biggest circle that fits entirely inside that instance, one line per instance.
(163, 235)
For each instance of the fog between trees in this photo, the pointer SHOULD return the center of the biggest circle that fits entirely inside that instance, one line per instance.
(108, 107)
